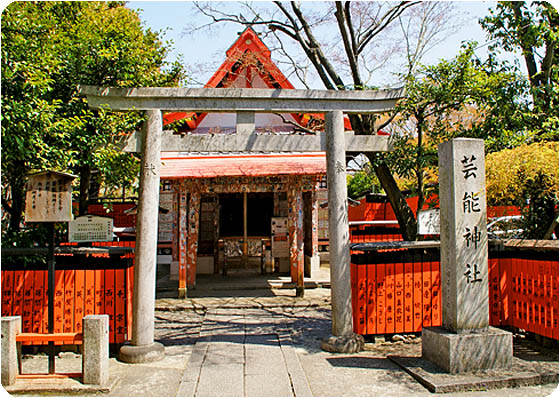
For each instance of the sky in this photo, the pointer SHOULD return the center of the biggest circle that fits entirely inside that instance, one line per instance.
(204, 52)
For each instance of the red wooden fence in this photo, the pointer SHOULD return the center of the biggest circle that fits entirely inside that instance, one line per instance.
(399, 292)
(366, 233)
(524, 293)
(116, 211)
(80, 289)
(391, 296)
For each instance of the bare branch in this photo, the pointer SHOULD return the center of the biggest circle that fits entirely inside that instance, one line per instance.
(350, 27)
(386, 122)
(386, 19)
(219, 16)
(425, 27)
(316, 50)
(352, 58)
(306, 45)
(297, 68)
(297, 126)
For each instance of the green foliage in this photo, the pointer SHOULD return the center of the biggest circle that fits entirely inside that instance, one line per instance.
(526, 176)
(532, 29)
(360, 183)
(461, 97)
(48, 50)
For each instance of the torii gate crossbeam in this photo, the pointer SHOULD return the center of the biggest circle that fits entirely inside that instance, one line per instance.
(245, 102)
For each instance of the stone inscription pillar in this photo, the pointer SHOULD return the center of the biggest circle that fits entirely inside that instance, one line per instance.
(143, 348)
(11, 327)
(343, 339)
(95, 356)
(465, 343)
(464, 239)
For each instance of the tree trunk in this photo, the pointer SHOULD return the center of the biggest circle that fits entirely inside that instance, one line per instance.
(85, 177)
(405, 216)
(17, 187)
(419, 168)
(407, 222)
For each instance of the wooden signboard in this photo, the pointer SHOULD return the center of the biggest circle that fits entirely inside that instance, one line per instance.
(49, 197)
(279, 228)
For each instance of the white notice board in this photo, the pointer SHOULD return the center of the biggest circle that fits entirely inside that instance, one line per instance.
(90, 229)
(428, 222)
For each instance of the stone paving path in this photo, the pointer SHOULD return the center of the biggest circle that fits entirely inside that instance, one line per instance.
(243, 352)
(268, 344)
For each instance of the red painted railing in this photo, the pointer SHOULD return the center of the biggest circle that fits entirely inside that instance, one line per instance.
(399, 291)
(80, 290)
(390, 296)
(366, 233)
(524, 293)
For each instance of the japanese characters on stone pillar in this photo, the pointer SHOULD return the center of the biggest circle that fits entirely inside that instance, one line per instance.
(466, 343)
(464, 240)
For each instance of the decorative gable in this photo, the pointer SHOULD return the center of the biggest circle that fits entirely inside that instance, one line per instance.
(248, 64)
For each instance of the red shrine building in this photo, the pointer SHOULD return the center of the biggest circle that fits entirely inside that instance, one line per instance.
(241, 212)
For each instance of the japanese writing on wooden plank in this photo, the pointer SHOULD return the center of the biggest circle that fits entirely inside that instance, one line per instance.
(49, 197)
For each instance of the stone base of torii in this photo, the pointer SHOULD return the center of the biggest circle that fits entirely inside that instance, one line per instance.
(334, 141)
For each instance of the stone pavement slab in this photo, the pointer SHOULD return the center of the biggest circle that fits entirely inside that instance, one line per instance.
(438, 381)
(372, 373)
(244, 352)
(68, 386)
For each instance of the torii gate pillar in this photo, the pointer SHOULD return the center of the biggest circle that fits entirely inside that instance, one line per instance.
(343, 338)
(143, 347)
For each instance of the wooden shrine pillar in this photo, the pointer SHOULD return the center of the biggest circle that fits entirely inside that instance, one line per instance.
(295, 227)
(192, 236)
(245, 232)
(314, 224)
(182, 232)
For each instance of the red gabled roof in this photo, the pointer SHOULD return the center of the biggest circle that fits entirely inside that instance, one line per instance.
(249, 45)
(247, 52)
(177, 165)
(250, 52)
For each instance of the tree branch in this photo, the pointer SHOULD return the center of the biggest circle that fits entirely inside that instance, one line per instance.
(315, 48)
(238, 19)
(386, 122)
(306, 47)
(297, 126)
(350, 27)
(387, 18)
(341, 18)
(7, 206)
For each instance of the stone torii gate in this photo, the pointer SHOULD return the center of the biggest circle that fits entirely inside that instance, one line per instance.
(245, 102)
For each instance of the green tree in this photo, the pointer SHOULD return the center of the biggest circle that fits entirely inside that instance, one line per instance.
(362, 182)
(48, 50)
(458, 97)
(526, 176)
(532, 28)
